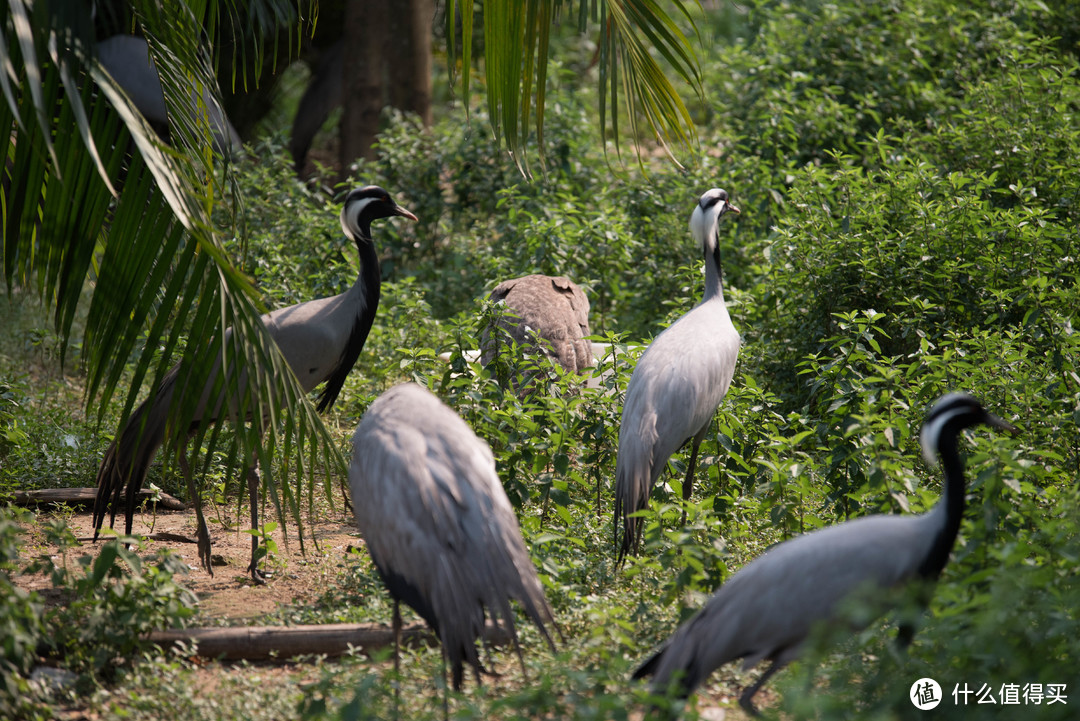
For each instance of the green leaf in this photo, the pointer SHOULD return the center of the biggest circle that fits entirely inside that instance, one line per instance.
(517, 46)
(97, 196)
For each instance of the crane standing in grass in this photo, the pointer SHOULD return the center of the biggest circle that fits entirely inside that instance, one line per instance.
(768, 608)
(320, 340)
(438, 524)
(677, 384)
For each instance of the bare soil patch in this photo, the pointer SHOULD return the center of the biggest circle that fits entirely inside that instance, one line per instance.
(296, 574)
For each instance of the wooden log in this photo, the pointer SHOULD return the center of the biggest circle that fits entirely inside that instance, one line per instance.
(281, 642)
(166, 536)
(84, 497)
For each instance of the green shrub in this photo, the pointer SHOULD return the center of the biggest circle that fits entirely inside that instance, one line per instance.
(21, 629)
(908, 180)
(111, 601)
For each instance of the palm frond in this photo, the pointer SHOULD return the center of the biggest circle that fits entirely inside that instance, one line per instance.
(98, 210)
(640, 44)
(633, 27)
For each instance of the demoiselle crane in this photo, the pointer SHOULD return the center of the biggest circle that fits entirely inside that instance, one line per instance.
(127, 58)
(768, 608)
(320, 340)
(439, 526)
(677, 384)
(546, 311)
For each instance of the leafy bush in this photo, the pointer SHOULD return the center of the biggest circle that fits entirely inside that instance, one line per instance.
(811, 78)
(114, 599)
(21, 629)
(11, 435)
(110, 603)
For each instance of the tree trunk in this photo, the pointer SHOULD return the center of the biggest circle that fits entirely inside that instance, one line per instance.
(366, 26)
(409, 53)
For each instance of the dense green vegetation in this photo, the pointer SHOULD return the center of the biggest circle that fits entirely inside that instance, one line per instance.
(910, 185)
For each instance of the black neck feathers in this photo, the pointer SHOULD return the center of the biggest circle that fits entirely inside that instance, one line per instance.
(940, 438)
(718, 263)
(370, 281)
(955, 490)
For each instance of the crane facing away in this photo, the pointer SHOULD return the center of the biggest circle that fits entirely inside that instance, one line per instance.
(320, 340)
(546, 311)
(438, 524)
(677, 384)
(769, 607)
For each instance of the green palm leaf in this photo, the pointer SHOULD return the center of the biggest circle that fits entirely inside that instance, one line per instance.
(112, 209)
(640, 45)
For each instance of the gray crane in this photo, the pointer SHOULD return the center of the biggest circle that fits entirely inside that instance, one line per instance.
(769, 607)
(548, 312)
(677, 384)
(438, 524)
(127, 58)
(320, 340)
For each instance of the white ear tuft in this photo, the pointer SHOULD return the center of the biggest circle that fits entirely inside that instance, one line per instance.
(948, 407)
(350, 215)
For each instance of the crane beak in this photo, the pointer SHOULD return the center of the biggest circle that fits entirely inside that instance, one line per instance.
(398, 210)
(729, 208)
(1001, 424)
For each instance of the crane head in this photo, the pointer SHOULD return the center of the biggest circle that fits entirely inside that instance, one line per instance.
(952, 413)
(363, 205)
(707, 213)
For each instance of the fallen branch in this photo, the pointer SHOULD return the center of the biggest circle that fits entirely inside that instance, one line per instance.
(282, 642)
(165, 536)
(84, 497)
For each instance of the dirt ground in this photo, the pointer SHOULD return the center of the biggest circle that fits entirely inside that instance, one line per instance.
(294, 576)
(229, 597)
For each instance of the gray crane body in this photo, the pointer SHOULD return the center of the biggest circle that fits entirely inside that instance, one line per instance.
(127, 59)
(313, 336)
(678, 382)
(690, 366)
(768, 609)
(438, 524)
(320, 341)
(308, 335)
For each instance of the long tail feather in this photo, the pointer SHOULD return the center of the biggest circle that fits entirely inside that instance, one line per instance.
(648, 667)
(123, 469)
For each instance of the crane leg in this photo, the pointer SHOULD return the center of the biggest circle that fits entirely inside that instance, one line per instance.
(445, 687)
(131, 492)
(747, 698)
(688, 484)
(343, 484)
(397, 657)
(202, 533)
(253, 480)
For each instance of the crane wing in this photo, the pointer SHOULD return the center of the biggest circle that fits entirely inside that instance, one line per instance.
(769, 607)
(436, 519)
